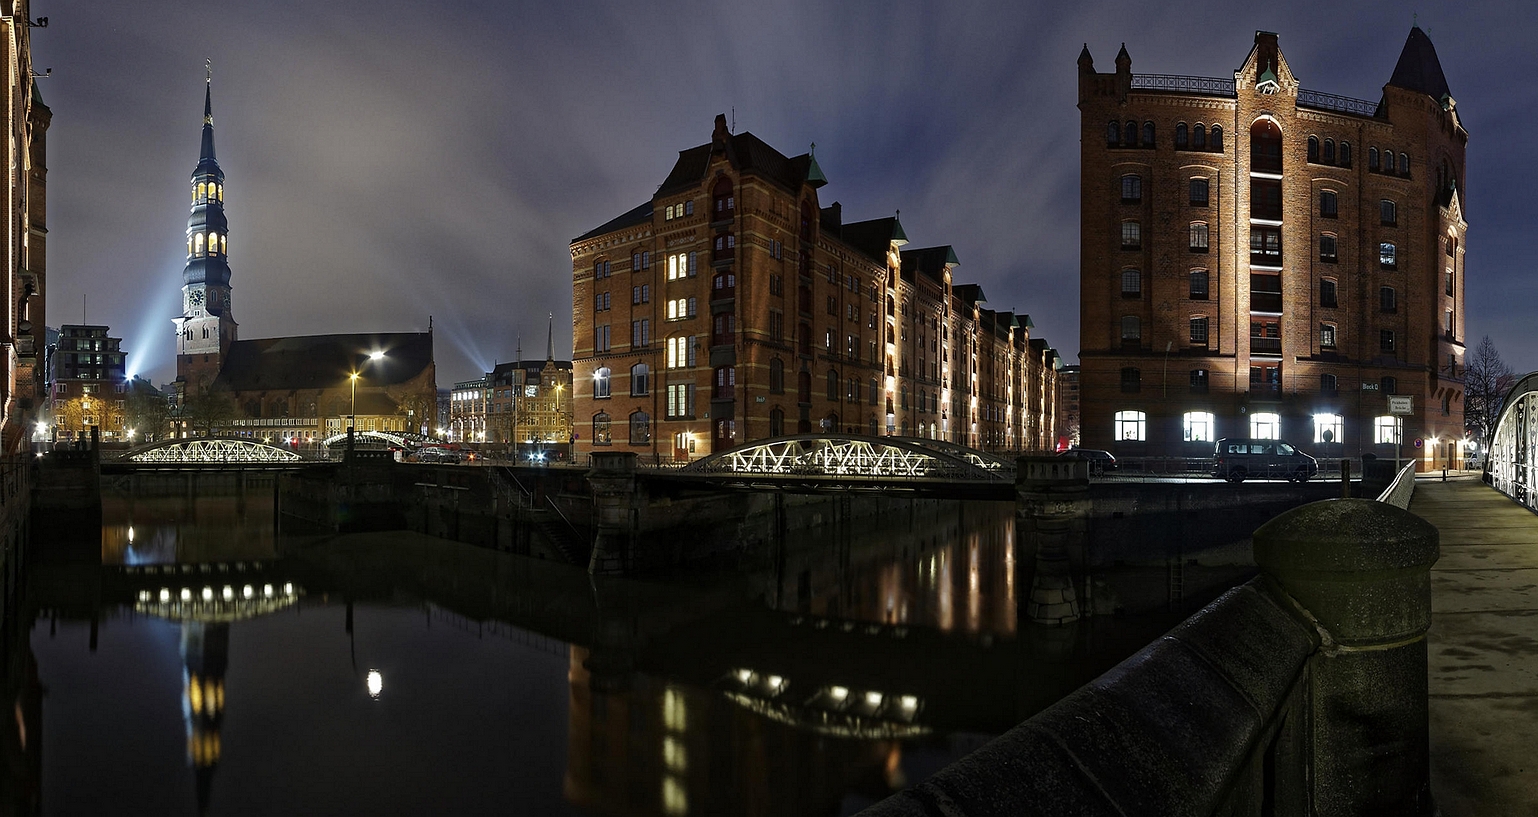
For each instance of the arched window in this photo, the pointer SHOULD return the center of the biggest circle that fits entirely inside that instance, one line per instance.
(1266, 146)
(723, 202)
(1129, 135)
(1345, 154)
(1131, 330)
(213, 243)
(224, 244)
(776, 423)
(202, 191)
(1199, 137)
(1313, 148)
(198, 244)
(1112, 134)
(1387, 300)
(1182, 136)
(832, 384)
(1329, 151)
(874, 390)
(1131, 283)
(1199, 426)
(601, 383)
(189, 245)
(602, 435)
(1131, 188)
(1372, 158)
(221, 192)
(776, 376)
(1388, 161)
(1328, 383)
(1217, 137)
(1131, 426)
(640, 428)
(640, 377)
(1404, 163)
(1148, 134)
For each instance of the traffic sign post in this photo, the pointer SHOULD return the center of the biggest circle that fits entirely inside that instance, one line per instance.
(1400, 405)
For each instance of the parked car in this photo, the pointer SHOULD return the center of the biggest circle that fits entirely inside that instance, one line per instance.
(1239, 458)
(1099, 461)
(434, 453)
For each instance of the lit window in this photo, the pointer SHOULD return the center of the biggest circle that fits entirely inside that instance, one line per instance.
(1131, 426)
(601, 432)
(1385, 430)
(1199, 331)
(1199, 427)
(1386, 256)
(1329, 428)
(1131, 235)
(601, 382)
(1266, 426)
(1327, 336)
(198, 244)
(1198, 236)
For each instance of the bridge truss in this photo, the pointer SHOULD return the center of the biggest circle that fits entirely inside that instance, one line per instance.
(877, 459)
(400, 440)
(218, 450)
(1512, 461)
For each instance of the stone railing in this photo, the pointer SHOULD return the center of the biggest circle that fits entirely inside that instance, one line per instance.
(1301, 692)
(1399, 492)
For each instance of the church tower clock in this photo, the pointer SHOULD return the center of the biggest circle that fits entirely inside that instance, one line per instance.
(206, 327)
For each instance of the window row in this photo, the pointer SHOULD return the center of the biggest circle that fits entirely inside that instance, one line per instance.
(1197, 236)
(215, 244)
(1328, 154)
(1388, 164)
(1201, 426)
(208, 191)
(1197, 190)
(1187, 137)
(684, 208)
(640, 429)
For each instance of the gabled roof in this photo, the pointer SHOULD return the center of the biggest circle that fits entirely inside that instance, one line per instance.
(747, 153)
(325, 361)
(1418, 68)
(970, 294)
(640, 214)
(930, 261)
(874, 237)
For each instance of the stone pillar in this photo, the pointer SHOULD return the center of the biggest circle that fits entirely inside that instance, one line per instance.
(613, 483)
(1361, 570)
(1051, 514)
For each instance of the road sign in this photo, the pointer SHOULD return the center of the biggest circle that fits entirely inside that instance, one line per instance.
(1419, 442)
(1401, 404)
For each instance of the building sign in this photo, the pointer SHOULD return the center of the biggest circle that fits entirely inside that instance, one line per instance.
(1401, 404)
(1369, 387)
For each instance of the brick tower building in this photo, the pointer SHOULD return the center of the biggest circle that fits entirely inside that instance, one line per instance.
(1261, 260)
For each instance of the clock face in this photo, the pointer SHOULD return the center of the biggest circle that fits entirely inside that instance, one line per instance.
(530, 391)
(195, 297)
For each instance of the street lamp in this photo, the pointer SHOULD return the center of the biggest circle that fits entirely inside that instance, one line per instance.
(352, 419)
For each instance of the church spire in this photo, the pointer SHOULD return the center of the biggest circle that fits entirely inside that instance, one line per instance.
(207, 153)
(550, 338)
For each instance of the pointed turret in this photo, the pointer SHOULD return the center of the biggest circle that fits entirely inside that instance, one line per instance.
(1418, 68)
(1086, 62)
(550, 338)
(814, 175)
(1123, 60)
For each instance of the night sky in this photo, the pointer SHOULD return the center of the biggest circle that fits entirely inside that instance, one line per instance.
(388, 161)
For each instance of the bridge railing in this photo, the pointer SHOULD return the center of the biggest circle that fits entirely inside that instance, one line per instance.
(1254, 706)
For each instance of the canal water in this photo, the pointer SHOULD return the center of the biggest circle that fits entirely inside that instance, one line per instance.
(198, 663)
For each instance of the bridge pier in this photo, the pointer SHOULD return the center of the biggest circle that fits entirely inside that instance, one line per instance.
(615, 515)
(1051, 516)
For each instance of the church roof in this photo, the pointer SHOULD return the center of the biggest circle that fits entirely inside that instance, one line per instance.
(325, 361)
(1418, 68)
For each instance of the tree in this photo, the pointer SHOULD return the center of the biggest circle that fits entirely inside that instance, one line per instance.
(148, 412)
(208, 411)
(1486, 380)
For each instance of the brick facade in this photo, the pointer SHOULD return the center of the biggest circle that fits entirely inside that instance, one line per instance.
(734, 307)
(1270, 212)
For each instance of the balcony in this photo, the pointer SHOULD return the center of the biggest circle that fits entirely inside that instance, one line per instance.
(1265, 346)
(1265, 258)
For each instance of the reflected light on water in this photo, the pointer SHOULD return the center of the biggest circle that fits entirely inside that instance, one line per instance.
(375, 683)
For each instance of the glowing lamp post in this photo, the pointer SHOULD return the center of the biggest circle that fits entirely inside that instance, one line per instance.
(352, 419)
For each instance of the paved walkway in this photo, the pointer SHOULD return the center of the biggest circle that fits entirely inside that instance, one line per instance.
(1483, 650)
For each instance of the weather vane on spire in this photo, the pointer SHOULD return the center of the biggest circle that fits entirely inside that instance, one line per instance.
(209, 65)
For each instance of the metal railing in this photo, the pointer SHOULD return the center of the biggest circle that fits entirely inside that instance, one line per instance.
(1320, 100)
(1205, 86)
(1399, 492)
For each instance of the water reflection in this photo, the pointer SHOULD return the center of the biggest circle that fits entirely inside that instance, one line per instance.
(827, 672)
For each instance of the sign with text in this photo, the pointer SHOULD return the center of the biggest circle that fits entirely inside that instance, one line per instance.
(1401, 404)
